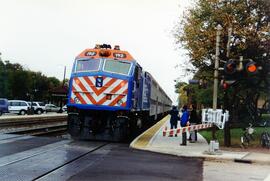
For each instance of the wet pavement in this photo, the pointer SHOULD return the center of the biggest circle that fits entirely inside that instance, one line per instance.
(39, 158)
(121, 163)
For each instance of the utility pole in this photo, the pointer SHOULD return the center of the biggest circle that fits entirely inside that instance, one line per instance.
(227, 134)
(64, 75)
(63, 84)
(215, 89)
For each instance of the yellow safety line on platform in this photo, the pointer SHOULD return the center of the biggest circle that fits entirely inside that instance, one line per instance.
(145, 137)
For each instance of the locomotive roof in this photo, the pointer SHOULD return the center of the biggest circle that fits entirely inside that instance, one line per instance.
(106, 53)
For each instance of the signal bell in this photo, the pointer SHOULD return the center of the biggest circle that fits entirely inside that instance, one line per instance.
(104, 53)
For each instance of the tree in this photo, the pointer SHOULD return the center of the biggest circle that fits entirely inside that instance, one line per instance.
(250, 38)
(180, 88)
(16, 82)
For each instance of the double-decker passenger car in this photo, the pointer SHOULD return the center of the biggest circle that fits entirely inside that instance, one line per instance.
(111, 97)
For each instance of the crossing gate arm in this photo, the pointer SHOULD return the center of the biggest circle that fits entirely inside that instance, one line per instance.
(181, 130)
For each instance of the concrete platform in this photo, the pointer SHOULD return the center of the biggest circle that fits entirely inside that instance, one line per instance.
(153, 140)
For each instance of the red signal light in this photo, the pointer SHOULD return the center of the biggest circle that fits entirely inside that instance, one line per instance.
(230, 67)
(225, 85)
(251, 68)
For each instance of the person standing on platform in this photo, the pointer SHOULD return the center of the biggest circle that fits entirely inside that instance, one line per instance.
(174, 118)
(193, 119)
(184, 122)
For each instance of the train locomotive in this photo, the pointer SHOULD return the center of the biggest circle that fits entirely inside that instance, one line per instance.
(111, 97)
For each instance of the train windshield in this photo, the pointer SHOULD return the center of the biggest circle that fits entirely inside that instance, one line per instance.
(87, 65)
(119, 67)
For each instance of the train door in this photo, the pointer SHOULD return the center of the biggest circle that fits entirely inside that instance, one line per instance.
(137, 88)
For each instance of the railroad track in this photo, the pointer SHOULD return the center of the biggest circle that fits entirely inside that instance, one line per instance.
(34, 125)
(49, 130)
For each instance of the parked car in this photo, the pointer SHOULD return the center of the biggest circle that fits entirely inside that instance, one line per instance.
(18, 107)
(39, 107)
(51, 108)
(3, 106)
(64, 108)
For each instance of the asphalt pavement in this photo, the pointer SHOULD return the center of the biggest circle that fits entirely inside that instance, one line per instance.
(122, 164)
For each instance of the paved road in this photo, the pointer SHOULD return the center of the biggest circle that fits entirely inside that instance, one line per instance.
(36, 158)
(223, 171)
(31, 158)
(122, 163)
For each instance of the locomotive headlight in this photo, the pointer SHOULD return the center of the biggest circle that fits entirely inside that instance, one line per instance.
(77, 101)
(122, 84)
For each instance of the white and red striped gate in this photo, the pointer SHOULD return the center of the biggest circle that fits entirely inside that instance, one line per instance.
(181, 130)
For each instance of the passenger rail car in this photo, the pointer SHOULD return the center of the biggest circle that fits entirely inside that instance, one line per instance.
(111, 97)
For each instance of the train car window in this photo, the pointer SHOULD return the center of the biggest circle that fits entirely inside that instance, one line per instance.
(119, 67)
(87, 65)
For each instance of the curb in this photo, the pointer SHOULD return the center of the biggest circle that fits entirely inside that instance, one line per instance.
(237, 158)
(207, 158)
(136, 142)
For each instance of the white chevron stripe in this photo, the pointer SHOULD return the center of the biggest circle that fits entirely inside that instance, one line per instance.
(85, 98)
(86, 85)
(124, 99)
(108, 90)
(115, 84)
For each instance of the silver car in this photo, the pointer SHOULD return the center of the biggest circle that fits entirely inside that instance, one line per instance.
(51, 108)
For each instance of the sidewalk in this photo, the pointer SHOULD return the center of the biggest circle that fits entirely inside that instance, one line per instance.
(153, 140)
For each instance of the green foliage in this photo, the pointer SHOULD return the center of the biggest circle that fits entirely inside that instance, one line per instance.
(181, 89)
(18, 83)
(236, 134)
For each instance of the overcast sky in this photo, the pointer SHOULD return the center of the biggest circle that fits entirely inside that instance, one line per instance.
(46, 35)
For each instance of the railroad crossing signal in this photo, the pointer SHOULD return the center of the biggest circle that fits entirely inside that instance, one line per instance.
(230, 67)
(251, 68)
(225, 84)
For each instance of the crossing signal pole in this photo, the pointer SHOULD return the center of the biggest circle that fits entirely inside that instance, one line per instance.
(215, 87)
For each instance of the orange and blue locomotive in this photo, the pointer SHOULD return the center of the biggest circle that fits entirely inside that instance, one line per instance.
(111, 97)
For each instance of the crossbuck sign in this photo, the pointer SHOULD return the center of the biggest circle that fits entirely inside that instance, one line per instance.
(217, 117)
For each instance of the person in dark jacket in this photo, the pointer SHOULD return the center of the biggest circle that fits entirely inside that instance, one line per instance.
(193, 119)
(174, 117)
(184, 122)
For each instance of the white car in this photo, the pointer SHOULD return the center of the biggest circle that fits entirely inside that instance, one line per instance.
(51, 108)
(18, 107)
(39, 107)
(64, 108)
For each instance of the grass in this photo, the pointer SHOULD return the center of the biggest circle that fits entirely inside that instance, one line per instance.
(236, 134)
(265, 116)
